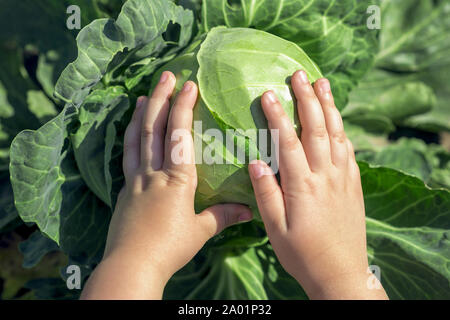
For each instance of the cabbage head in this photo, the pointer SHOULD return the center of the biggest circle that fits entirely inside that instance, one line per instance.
(233, 67)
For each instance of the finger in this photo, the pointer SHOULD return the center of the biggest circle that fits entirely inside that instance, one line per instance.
(132, 140)
(179, 146)
(314, 134)
(154, 123)
(353, 167)
(269, 197)
(334, 124)
(216, 218)
(292, 159)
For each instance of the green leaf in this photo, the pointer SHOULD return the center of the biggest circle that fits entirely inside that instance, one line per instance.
(36, 247)
(105, 45)
(413, 50)
(362, 140)
(41, 106)
(438, 118)
(278, 284)
(51, 289)
(429, 162)
(47, 36)
(407, 233)
(334, 34)
(13, 276)
(8, 213)
(252, 273)
(36, 174)
(14, 87)
(236, 91)
(392, 96)
(94, 139)
(50, 192)
(417, 40)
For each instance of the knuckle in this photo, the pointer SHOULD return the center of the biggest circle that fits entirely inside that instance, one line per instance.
(267, 194)
(175, 177)
(147, 131)
(290, 195)
(308, 184)
(291, 142)
(332, 179)
(318, 132)
(339, 136)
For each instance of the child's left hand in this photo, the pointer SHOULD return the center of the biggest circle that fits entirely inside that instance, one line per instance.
(154, 230)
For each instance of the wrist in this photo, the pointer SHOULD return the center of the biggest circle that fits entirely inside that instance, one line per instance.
(124, 276)
(133, 261)
(347, 286)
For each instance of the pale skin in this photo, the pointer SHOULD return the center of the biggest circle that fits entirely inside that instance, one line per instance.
(314, 218)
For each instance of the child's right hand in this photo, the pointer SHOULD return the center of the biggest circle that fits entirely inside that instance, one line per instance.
(315, 220)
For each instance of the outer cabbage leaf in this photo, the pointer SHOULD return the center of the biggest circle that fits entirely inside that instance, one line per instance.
(107, 47)
(35, 248)
(39, 28)
(407, 233)
(50, 192)
(94, 140)
(334, 34)
(438, 119)
(54, 184)
(26, 94)
(413, 66)
(384, 99)
(428, 162)
(415, 41)
(8, 213)
(252, 273)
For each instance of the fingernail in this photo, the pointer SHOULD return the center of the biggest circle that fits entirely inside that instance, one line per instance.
(164, 77)
(303, 77)
(140, 102)
(271, 97)
(246, 216)
(324, 86)
(257, 171)
(187, 86)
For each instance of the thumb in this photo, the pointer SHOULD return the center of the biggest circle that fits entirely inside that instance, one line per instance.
(269, 196)
(216, 218)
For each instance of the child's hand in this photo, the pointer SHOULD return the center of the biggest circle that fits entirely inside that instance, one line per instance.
(154, 230)
(315, 220)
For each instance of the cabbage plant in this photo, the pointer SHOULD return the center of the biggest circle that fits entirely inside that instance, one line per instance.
(228, 112)
(66, 174)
